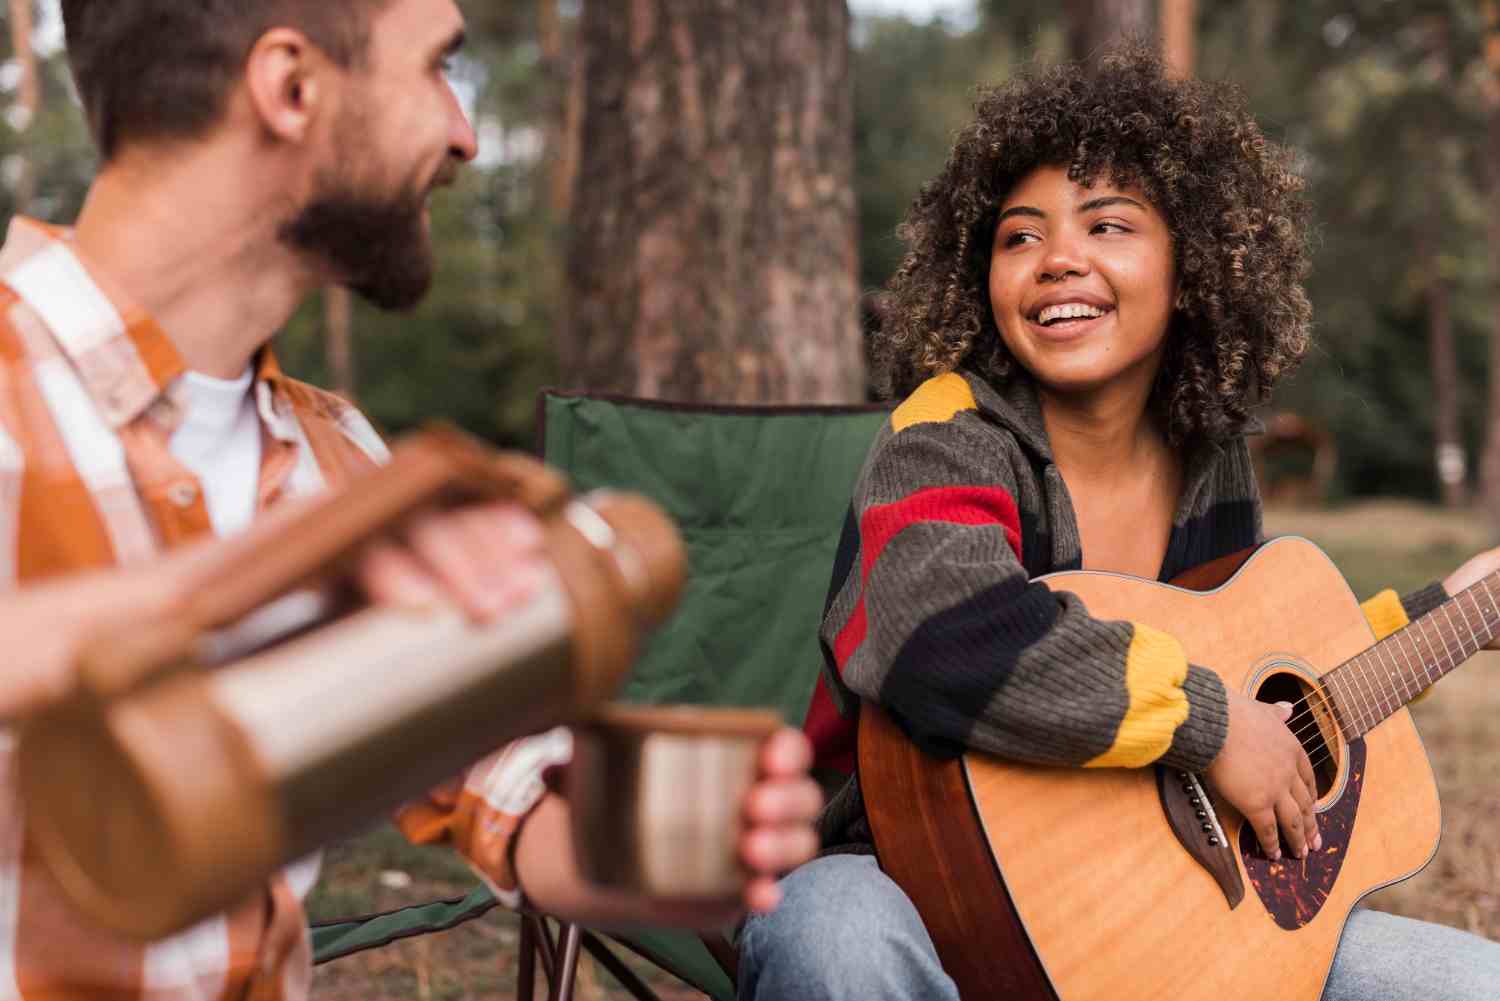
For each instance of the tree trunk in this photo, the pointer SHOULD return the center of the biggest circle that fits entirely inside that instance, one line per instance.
(563, 108)
(28, 98)
(1490, 465)
(1179, 36)
(712, 247)
(1093, 24)
(1452, 466)
(338, 322)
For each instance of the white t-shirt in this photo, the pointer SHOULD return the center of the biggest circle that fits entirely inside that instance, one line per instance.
(219, 440)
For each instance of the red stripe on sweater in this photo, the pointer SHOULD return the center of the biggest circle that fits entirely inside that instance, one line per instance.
(882, 523)
(833, 736)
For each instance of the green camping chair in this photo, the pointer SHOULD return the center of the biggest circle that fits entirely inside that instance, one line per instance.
(760, 494)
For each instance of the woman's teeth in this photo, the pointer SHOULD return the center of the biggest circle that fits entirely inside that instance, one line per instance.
(1068, 311)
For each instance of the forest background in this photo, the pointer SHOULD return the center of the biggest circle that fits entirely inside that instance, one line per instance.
(698, 199)
(1391, 106)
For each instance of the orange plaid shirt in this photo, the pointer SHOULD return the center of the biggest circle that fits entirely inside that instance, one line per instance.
(88, 404)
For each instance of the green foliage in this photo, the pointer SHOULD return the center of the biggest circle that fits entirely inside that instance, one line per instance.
(1385, 103)
(1384, 100)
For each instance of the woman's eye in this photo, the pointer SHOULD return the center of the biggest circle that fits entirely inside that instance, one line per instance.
(1019, 237)
(1110, 227)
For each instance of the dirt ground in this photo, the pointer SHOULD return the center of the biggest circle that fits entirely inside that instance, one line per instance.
(1377, 545)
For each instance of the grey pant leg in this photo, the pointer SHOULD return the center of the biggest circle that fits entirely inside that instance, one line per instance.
(844, 930)
(1387, 958)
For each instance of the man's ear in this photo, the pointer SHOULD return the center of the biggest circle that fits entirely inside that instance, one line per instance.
(286, 77)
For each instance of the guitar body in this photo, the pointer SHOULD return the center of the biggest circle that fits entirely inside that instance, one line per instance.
(1071, 884)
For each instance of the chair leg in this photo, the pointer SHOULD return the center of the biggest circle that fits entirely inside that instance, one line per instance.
(606, 958)
(526, 962)
(567, 969)
(546, 950)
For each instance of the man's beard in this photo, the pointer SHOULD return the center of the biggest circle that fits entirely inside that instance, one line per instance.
(379, 247)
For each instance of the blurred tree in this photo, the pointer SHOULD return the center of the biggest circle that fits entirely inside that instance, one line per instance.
(338, 332)
(1178, 32)
(1093, 24)
(28, 99)
(914, 86)
(1490, 464)
(712, 247)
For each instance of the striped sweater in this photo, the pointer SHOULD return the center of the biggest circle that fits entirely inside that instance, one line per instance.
(933, 611)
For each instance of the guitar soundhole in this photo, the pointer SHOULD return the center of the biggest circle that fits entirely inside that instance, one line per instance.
(1312, 721)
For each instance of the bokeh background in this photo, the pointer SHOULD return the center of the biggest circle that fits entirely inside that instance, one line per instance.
(695, 198)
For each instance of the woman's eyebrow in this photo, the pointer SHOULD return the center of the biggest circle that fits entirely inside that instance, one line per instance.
(1107, 200)
(1026, 210)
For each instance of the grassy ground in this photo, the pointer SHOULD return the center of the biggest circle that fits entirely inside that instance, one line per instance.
(1377, 545)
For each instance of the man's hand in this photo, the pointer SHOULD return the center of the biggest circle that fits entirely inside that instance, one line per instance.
(1264, 773)
(487, 559)
(779, 811)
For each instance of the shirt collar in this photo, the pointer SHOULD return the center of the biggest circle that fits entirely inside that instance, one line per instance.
(123, 358)
(271, 399)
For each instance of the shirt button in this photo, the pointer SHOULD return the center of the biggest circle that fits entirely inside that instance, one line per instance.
(182, 494)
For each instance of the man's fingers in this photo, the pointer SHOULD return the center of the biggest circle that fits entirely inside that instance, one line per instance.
(486, 558)
(787, 753)
(391, 576)
(444, 552)
(784, 801)
(774, 850)
(762, 895)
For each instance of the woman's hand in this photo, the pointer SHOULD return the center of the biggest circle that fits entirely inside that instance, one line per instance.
(1264, 773)
(1474, 570)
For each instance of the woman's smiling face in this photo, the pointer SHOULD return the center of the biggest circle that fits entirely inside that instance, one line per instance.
(1082, 281)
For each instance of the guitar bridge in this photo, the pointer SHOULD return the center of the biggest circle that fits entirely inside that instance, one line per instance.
(1191, 815)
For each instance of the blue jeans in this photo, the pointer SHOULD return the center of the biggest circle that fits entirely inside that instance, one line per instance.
(846, 931)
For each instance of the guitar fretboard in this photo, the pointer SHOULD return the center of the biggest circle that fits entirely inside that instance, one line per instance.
(1370, 687)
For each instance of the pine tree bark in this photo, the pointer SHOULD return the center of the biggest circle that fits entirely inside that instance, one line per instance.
(712, 247)
(28, 98)
(1179, 36)
(1490, 463)
(1093, 24)
(338, 338)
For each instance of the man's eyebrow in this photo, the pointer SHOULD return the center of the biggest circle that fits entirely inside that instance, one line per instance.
(1025, 210)
(1108, 200)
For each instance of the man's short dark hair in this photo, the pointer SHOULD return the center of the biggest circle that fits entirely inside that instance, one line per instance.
(163, 69)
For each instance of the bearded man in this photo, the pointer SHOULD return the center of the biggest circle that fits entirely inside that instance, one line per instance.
(254, 151)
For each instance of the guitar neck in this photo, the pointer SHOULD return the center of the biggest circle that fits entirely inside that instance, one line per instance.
(1372, 686)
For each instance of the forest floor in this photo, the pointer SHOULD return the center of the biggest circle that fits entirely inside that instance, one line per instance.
(1376, 544)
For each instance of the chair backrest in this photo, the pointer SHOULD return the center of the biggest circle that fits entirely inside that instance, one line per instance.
(760, 494)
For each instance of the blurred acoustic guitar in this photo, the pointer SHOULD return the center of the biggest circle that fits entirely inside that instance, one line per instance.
(1070, 884)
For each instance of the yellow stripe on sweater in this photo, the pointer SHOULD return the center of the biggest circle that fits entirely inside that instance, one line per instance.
(1155, 669)
(1385, 613)
(935, 401)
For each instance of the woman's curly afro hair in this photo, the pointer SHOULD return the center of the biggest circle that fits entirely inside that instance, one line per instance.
(1231, 198)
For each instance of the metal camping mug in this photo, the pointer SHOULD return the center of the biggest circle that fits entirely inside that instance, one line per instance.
(163, 801)
(657, 795)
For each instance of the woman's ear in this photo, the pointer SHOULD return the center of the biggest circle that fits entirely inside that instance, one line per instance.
(285, 76)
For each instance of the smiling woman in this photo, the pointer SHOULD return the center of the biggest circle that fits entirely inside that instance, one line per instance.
(1103, 280)
(1192, 158)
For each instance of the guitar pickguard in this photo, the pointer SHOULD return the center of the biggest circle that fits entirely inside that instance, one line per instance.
(1294, 890)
